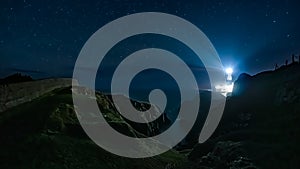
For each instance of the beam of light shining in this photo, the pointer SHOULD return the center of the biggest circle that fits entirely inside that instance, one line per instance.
(224, 89)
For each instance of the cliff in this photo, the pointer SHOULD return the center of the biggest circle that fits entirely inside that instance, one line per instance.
(260, 124)
(45, 133)
(272, 87)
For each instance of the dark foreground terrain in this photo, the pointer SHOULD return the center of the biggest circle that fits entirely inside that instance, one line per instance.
(260, 129)
(260, 126)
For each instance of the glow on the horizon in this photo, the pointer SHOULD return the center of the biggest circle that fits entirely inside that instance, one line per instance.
(224, 89)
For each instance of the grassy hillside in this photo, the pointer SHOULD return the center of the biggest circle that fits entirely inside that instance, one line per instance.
(45, 133)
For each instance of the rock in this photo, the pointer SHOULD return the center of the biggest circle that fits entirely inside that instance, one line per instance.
(241, 85)
(242, 163)
(226, 155)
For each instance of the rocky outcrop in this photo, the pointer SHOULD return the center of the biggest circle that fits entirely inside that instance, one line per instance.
(241, 85)
(147, 129)
(16, 78)
(225, 155)
(279, 86)
(119, 122)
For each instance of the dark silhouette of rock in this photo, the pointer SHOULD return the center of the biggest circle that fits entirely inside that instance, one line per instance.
(241, 85)
(15, 78)
(225, 155)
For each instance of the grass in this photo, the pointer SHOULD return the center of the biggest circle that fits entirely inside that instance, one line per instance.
(40, 134)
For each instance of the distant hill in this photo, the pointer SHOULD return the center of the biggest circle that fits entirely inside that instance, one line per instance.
(15, 78)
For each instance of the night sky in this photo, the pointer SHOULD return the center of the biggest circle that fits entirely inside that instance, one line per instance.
(43, 38)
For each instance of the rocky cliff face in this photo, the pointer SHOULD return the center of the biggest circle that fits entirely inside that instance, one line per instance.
(107, 105)
(280, 86)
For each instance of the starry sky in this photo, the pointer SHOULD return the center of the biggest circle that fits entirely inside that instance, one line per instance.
(44, 38)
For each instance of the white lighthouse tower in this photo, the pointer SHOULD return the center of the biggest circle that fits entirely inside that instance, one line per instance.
(229, 72)
(226, 89)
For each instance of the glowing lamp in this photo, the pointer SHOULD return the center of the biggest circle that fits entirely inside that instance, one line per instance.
(229, 70)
